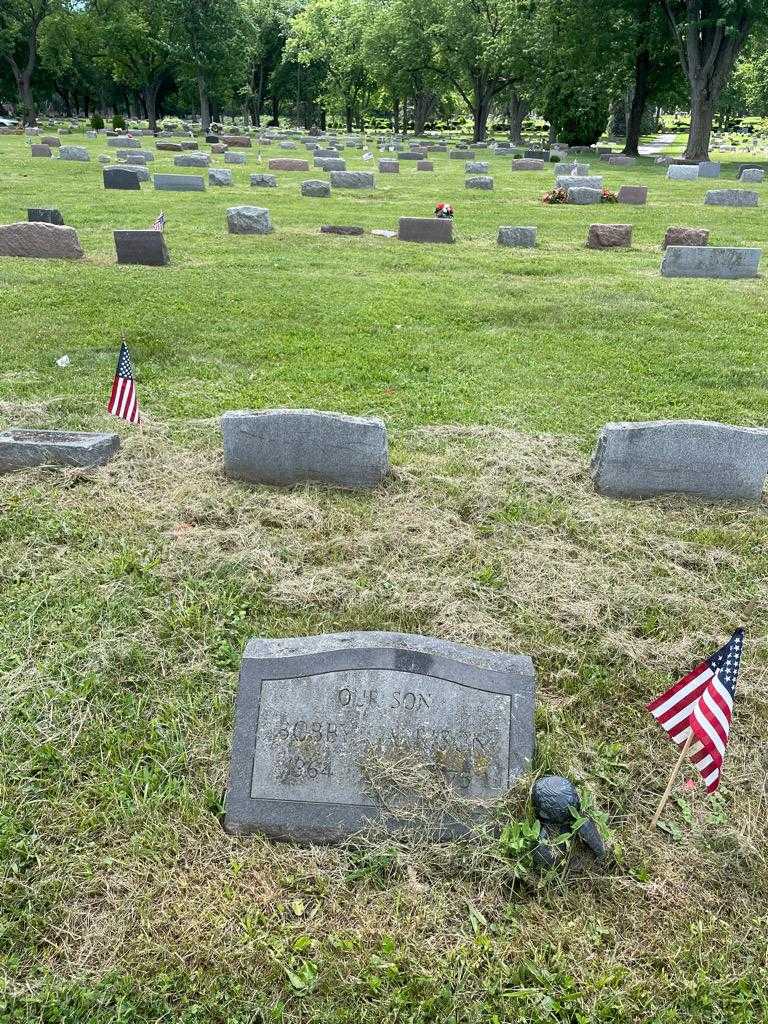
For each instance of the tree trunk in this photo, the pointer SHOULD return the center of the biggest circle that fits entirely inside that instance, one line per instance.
(639, 100)
(423, 105)
(481, 108)
(517, 111)
(275, 111)
(205, 103)
(149, 98)
(702, 116)
(396, 116)
(348, 115)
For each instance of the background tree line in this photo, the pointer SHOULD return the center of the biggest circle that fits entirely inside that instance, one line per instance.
(407, 63)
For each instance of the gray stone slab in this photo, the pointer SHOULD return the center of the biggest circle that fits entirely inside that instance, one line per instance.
(519, 238)
(571, 181)
(731, 197)
(685, 236)
(710, 261)
(461, 154)
(77, 153)
(45, 215)
(40, 240)
(142, 173)
(219, 176)
(192, 160)
(25, 449)
(263, 181)
(38, 150)
(124, 142)
(341, 229)
(527, 165)
(248, 220)
(179, 183)
(352, 179)
(136, 155)
(122, 178)
(287, 164)
(425, 165)
(326, 725)
(389, 166)
(709, 169)
(476, 167)
(585, 196)
(234, 158)
(482, 181)
(142, 248)
(330, 163)
(710, 460)
(318, 189)
(749, 174)
(425, 229)
(289, 446)
(633, 195)
(683, 172)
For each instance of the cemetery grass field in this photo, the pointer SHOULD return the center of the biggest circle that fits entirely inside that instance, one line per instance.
(127, 595)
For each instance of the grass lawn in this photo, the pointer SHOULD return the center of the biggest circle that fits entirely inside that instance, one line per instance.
(127, 594)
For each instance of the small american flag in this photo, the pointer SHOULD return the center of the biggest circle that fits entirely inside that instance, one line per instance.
(368, 155)
(124, 402)
(700, 707)
(159, 224)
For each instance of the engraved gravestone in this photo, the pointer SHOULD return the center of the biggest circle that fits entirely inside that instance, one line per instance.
(337, 732)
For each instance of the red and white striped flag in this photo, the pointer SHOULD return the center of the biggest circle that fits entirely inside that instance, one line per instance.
(124, 402)
(159, 224)
(698, 709)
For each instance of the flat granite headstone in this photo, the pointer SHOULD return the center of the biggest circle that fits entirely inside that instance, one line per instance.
(527, 165)
(283, 447)
(710, 261)
(389, 166)
(749, 174)
(142, 248)
(316, 188)
(219, 176)
(425, 165)
(327, 728)
(685, 236)
(609, 236)
(234, 158)
(341, 229)
(122, 178)
(571, 181)
(37, 149)
(711, 460)
(584, 196)
(476, 167)
(41, 240)
(263, 181)
(482, 181)
(709, 169)
(249, 220)
(519, 238)
(77, 153)
(286, 164)
(45, 215)
(425, 229)
(179, 183)
(683, 172)
(352, 179)
(25, 449)
(633, 195)
(731, 197)
(192, 160)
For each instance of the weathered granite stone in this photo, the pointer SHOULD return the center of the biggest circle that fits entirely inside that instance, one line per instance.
(609, 236)
(263, 181)
(461, 154)
(189, 146)
(134, 159)
(584, 196)
(621, 161)
(51, 140)
(219, 176)
(248, 220)
(424, 165)
(633, 195)
(340, 229)
(411, 155)
(522, 238)
(685, 236)
(714, 461)
(136, 156)
(145, 248)
(287, 144)
(709, 169)
(25, 449)
(76, 153)
(730, 197)
(287, 164)
(527, 165)
(219, 149)
(425, 229)
(683, 172)
(318, 189)
(142, 173)
(571, 181)
(234, 158)
(36, 239)
(322, 721)
(39, 150)
(710, 261)
(124, 142)
(352, 179)
(476, 167)
(122, 178)
(45, 215)
(483, 181)
(179, 183)
(192, 160)
(104, 158)
(239, 141)
(169, 147)
(536, 154)
(289, 446)
(329, 163)
(749, 174)
(572, 170)
(389, 166)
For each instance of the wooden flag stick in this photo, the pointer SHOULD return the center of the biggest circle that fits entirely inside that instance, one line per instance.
(672, 777)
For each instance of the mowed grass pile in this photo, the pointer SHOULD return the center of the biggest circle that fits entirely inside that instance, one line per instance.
(127, 594)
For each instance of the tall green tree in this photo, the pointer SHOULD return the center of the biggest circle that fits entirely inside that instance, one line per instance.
(710, 35)
(20, 24)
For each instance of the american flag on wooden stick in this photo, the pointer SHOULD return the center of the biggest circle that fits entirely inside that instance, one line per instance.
(159, 224)
(697, 710)
(124, 402)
